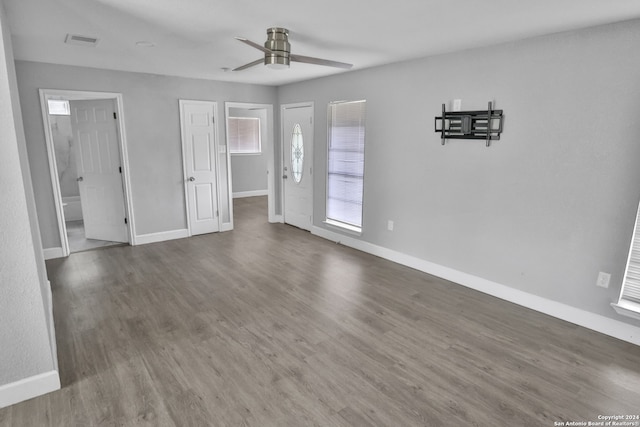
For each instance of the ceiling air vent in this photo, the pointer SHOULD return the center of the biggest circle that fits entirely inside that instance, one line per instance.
(81, 40)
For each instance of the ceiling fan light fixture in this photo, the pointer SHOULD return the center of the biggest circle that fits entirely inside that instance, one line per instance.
(277, 61)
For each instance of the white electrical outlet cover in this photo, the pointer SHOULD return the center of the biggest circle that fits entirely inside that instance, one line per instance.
(603, 279)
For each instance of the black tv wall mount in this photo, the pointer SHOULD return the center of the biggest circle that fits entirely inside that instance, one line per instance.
(482, 124)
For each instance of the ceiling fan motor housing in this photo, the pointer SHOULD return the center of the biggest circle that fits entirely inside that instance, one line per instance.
(278, 43)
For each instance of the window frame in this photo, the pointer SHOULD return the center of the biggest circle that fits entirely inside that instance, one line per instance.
(53, 112)
(333, 222)
(628, 306)
(245, 153)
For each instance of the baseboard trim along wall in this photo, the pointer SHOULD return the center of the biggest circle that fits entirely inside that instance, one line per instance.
(52, 329)
(143, 239)
(277, 219)
(28, 388)
(596, 322)
(253, 193)
(51, 253)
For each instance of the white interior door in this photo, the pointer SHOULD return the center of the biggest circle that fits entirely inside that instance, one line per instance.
(99, 169)
(298, 165)
(199, 153)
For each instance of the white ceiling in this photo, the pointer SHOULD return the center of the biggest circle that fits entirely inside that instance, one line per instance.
(195, 38)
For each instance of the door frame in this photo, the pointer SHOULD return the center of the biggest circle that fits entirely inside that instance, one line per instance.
(45, 95)
(284, 107)
(222, 226)
(267, 148)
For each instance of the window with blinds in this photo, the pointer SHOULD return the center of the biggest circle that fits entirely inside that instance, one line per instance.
(244, 135)
(345, 171)
(629, 301)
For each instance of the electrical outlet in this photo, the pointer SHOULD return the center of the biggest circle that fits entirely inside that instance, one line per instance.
(457, 104)
(390, 225)
(603, 279)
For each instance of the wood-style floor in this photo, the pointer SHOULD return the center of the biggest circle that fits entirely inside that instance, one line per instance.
(270, 326)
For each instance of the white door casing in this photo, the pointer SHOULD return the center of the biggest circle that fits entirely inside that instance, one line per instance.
(199, 151)
(99, 169)
(298, 190)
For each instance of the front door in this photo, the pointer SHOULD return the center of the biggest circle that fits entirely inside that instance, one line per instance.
(199, 151)
(99, 169)
(298, 165)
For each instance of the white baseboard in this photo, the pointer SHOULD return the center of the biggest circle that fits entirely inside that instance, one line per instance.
(29, 388)
(52, 328)
(276, 219)
(253, 193)
(51, 253)
(596, 322)
(143, 239)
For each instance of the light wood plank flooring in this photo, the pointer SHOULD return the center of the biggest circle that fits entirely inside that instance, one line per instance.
(270, 326)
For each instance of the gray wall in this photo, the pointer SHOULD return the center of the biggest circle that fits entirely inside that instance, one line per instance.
(25, 347)
(544, 209)
(153, 133)
(249, 171)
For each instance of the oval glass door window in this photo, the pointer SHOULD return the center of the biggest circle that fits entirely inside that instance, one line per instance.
(297, 153)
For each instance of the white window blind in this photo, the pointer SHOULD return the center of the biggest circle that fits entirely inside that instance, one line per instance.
(631, 283)
(345, 172)
(244, 135)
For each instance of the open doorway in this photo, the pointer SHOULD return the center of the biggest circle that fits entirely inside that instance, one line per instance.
(250, 143)
(88, 165)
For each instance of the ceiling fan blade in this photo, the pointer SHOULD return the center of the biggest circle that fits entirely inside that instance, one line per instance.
(318, 61)
(249, 65)
(253, 44)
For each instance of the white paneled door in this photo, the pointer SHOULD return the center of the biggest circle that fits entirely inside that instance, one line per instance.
(199, 153)
(99, 169)
(297, 124)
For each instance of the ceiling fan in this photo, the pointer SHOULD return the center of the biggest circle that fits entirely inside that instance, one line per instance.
(277, 52)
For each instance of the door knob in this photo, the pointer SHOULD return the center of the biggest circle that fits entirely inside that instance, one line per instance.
(191, 179)
(284, 176)
(80, 179)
